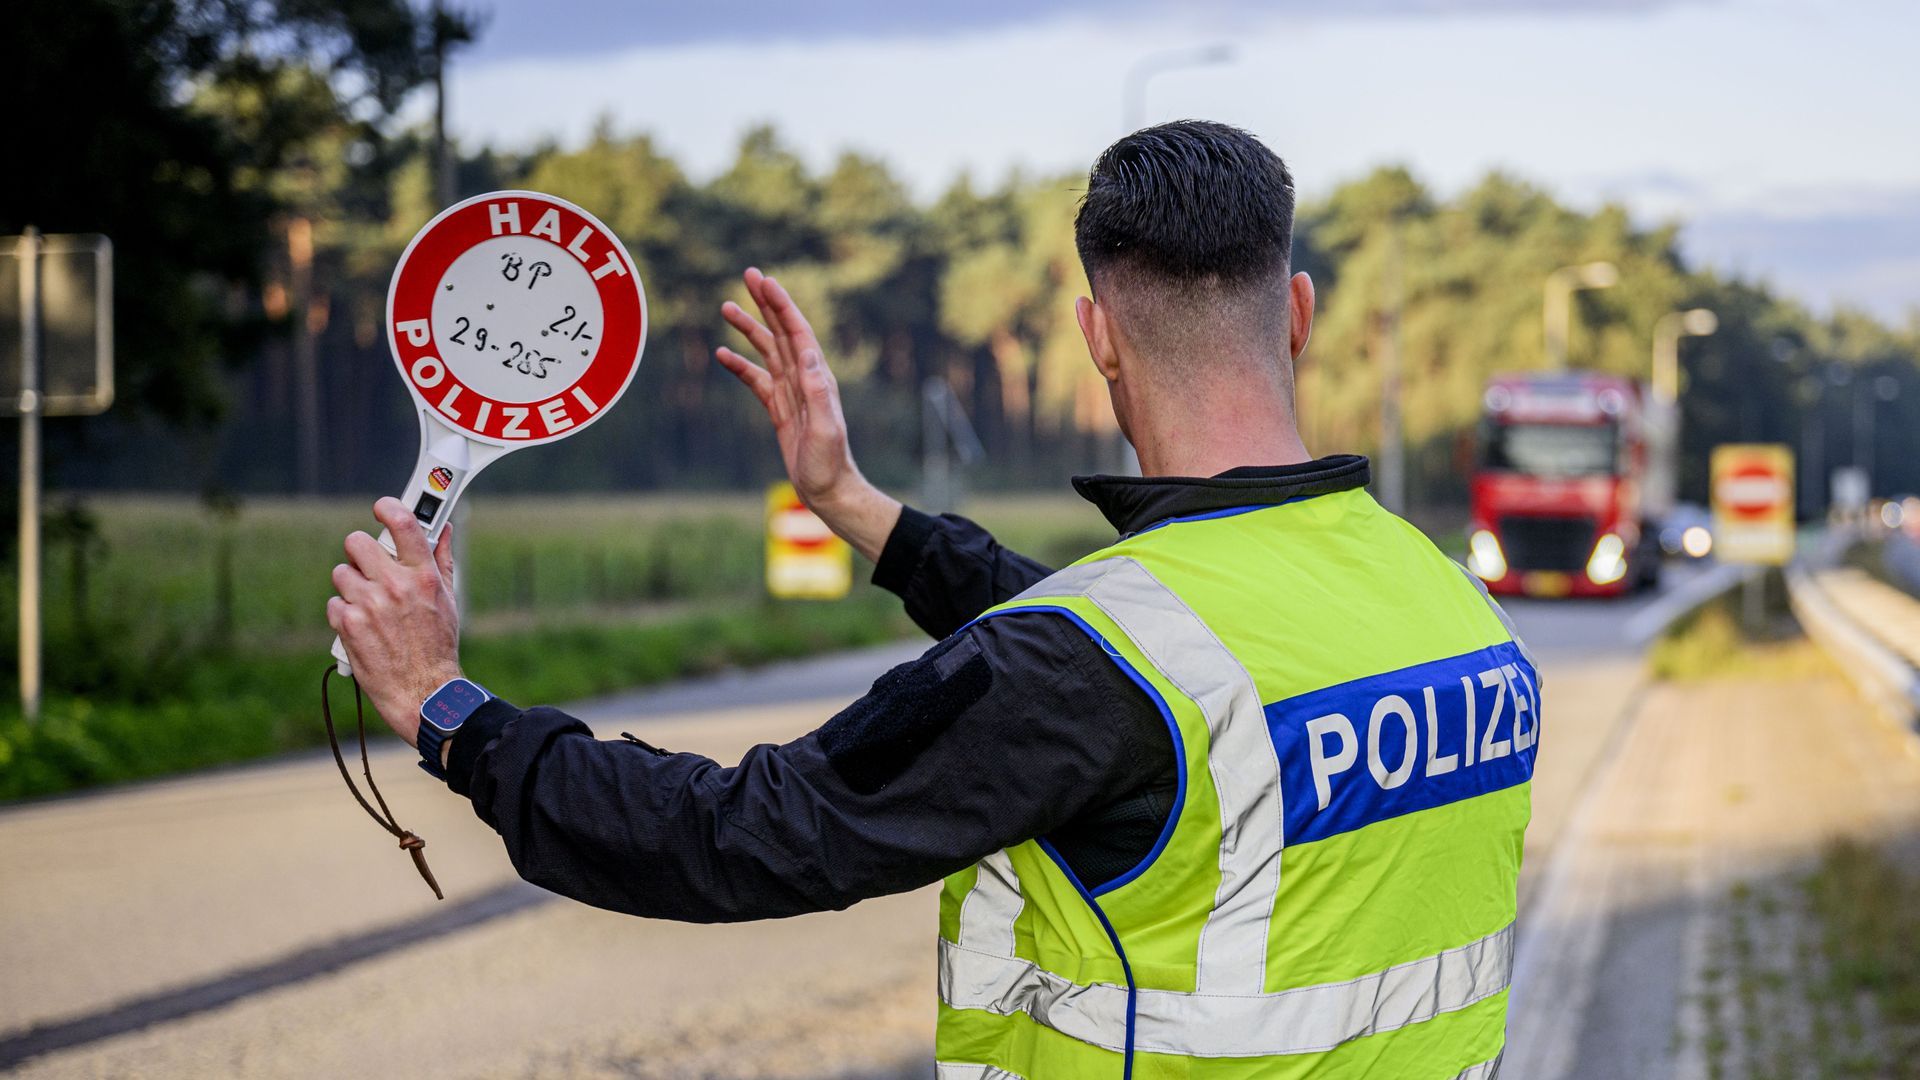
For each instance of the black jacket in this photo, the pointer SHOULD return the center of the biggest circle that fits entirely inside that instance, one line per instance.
(1007, 730)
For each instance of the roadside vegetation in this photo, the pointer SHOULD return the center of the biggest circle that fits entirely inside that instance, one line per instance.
(1715, 640)
(179, 639)
(1819, 976)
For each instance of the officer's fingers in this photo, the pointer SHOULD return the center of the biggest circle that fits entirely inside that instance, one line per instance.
(368, 556)
(753, 375)
(351, 584)
(824, 420)
(757, 335)
(779, 359)
(337, 612)
(443, 555)
(409, 539)
(792, 321)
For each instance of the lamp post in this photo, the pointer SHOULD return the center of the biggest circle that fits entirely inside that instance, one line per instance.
(1866, 395)
(1557, 308)
(1667, 332)
(1133, 91)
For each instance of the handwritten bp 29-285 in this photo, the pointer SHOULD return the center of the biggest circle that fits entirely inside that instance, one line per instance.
(515, 319)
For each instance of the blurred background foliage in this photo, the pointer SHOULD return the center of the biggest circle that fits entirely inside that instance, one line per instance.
(260, 165)
(249, 161)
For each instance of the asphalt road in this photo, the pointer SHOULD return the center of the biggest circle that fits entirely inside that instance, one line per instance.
(253, 922)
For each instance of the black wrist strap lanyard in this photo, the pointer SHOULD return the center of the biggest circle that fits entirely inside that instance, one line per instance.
(410, 841)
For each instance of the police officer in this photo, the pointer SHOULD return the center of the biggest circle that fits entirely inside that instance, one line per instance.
(1240, 795)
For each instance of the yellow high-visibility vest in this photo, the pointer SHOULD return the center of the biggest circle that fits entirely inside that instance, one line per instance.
(1334, 894)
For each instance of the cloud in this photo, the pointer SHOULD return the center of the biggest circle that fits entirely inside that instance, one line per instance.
(527, 29)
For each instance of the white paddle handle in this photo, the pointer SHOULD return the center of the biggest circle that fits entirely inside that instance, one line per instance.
(438, 478)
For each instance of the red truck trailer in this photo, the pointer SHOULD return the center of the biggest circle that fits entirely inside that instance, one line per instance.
(1574, 471)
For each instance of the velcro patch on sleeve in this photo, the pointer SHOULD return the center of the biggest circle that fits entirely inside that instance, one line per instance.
(876, 738)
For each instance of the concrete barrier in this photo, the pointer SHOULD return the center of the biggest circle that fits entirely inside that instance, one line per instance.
(1871, 630)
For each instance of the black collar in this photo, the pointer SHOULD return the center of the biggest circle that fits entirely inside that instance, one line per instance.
(1133, 503)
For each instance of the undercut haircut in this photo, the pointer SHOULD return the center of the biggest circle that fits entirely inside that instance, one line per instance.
(1185, 234)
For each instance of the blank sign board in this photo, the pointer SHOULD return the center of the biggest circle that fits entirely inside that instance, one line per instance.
(76, 324)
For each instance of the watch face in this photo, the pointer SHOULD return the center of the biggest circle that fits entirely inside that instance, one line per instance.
(450, 705)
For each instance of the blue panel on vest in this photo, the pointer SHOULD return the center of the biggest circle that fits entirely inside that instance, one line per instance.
(1408, 740)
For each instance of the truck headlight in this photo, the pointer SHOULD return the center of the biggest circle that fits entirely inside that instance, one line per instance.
(1484, 556)
(1608, 563)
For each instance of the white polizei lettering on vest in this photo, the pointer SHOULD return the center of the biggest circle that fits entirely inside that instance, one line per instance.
(1436, 764)
(1522, 733)
(1489, 748)
(1324, 767)
(1473, 714)
(988, 911)
(1533, 698)
(1241, 760)
(1388, 779)
(1302, 1020)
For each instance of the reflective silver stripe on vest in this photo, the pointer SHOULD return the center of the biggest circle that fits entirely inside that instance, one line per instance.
(1499, 612)
(950, 1070)
(1306, 1020)
(1241, 758)
(991, 906)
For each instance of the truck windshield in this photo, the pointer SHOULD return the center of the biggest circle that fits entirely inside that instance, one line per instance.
(1551, 449)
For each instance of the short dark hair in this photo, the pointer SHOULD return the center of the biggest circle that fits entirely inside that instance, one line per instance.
(1185, 202)
(1186, 233)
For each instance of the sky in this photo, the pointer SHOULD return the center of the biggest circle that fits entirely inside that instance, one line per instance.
(1784, 134)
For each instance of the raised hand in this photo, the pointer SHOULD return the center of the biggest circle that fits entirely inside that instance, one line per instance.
(802, 398)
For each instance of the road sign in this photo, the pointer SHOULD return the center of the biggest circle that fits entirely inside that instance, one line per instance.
(516, 319)
(56, 359)
(75, 294)
(805, 560)
(1753, 503)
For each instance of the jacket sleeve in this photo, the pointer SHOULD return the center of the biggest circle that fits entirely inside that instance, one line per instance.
(948, 570)
(997, 735)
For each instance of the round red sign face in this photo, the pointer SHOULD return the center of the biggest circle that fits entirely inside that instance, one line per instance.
(517, 317)
(1752, 489)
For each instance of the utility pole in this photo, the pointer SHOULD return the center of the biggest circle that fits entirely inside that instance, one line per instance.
(1133, 90)
(306, 360)
(1557, 305)
(443, 187)
(30, 409)
(1393, 449)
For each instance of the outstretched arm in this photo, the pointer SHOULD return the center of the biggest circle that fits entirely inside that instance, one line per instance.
(946, 568)
(802, 398)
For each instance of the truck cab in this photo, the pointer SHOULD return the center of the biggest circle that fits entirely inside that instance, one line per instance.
(1560, 487)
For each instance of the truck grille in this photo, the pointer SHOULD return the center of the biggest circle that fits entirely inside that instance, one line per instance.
(1547, 543)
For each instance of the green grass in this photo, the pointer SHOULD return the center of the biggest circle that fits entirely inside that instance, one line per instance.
(190, 639)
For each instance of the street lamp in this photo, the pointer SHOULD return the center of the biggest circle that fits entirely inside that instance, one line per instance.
(1867, 393)
(1667, 332)
(1133, 93)
(1558, 307)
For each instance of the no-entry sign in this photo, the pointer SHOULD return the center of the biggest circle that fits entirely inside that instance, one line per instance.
(805, 560)
(515, 319)
(1753, 503)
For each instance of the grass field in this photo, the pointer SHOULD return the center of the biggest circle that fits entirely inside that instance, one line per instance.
(185, 638)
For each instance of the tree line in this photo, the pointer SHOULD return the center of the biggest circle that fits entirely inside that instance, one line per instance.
(246, 160)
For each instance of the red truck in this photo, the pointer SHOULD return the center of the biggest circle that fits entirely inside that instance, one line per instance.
(1574, 472)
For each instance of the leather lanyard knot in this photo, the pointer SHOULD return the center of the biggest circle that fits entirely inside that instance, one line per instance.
(410, 841)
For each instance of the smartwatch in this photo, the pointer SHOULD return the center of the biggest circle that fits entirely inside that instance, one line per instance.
(442, 714)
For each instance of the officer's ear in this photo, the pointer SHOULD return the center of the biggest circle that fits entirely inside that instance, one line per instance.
(1299, 312)
(1096, 325)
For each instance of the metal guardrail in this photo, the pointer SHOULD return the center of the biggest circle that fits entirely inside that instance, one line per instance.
(1871, 629)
